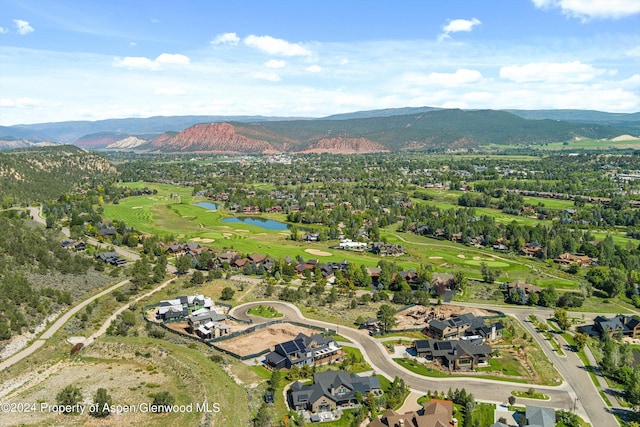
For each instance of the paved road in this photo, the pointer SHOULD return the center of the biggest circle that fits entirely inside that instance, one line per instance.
(561, 397)
(573, 370)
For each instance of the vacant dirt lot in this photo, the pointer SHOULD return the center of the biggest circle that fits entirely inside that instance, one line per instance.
(419, 316)
(264, 338)
(129, 380)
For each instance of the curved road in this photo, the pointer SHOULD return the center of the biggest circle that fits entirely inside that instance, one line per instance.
(561, 397)
(580, 392)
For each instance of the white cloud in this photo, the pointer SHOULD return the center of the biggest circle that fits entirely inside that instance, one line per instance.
(460, 77)
(143, 63)
(138, 62)
(23, 27)
(275, 63)
(274, 46)
(3, 30)
(458, 25)
(570, 72)
(173, 59)
(231, 39)
(133, 44)
(314, 68)
(272, 77)
(592, 9)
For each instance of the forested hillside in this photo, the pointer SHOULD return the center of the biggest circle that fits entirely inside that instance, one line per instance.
(39, 174)
(27, 250)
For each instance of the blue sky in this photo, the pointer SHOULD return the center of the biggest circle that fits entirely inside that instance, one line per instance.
(94, 59)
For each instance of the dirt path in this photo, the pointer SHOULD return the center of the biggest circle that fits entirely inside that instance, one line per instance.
(107, 323)
(56, 326)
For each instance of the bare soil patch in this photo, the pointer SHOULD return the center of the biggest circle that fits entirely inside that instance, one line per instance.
(128, 380)
(263, 339)
(419, 315)
(317, 252)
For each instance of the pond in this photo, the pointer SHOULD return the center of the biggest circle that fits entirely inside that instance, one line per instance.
(269, 224)
(208, 205)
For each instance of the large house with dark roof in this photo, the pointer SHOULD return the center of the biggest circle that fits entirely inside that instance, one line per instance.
(627, 326)
(180, 307)
(304, 350)
(331, 390)
(465, 325)
(456, 355)
(453, 327)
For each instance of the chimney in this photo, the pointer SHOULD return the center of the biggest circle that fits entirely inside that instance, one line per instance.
(493, 332)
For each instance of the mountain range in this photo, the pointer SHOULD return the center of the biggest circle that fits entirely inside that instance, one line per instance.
(423, 128)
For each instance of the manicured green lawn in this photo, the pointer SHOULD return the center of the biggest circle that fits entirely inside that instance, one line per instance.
(420, 369)
(483, 414)
(265, 311)
(534, 395)
(261, 371)
(507, 365)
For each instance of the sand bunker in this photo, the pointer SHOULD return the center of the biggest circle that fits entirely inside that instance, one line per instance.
(317, 252)
(461, 256)
(203, 240)
(477, 258)
(136, 207)
(435, 257)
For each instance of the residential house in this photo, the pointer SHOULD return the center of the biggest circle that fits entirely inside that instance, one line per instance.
(627, 326)
(442, 282)
(453, 327)
(540, 417)
(251, 209)
(106, 230)
(456, 355)
(523, 289)
(435, 413)
(350, 245)
(189, 248)
(213, 330)
(180, 307)
(202, 317)
(256, 258)
(331, 390)
(411, 277)
(566, 259)
(374, 274)
(386, 249)
(304, 350)
(111, 258)
(531, 250)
